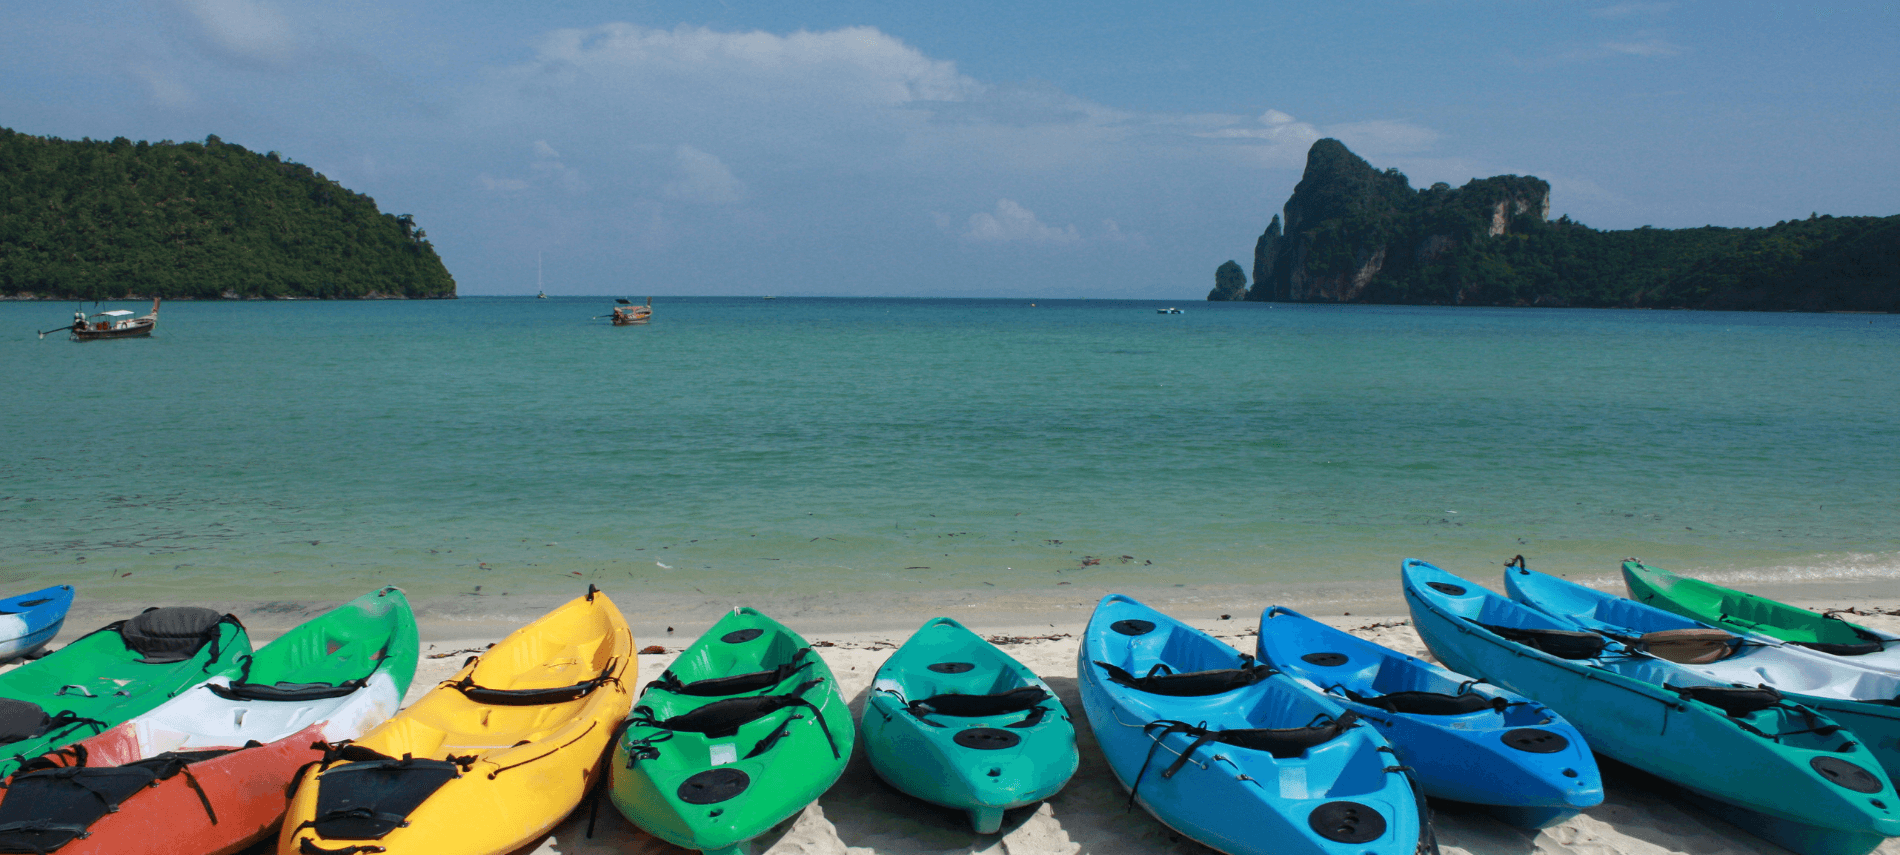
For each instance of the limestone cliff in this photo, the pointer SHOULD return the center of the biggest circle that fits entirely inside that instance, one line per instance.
(1354, 234)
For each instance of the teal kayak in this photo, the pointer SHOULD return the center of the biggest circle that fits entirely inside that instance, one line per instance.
(113, 674)
(744, 731)
(956, 722)
(1740, 611)
(1774, 768)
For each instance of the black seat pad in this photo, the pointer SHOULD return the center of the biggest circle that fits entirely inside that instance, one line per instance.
(1426, 703)
(972, 706)
(1193, 684)
(21, 720)
(1736, 701)
(1561, 643)
(368, 799)
(172, 634)
(49, 808)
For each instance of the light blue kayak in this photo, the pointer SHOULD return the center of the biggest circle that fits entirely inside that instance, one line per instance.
(1465, 741)
(1774, 768)
(29, 621)
(1233, 754)
(1863, 700)
(954, 721)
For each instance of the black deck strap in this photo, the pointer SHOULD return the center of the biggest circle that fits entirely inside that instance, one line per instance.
(737, 684)
(977, 706)
(1561, 643)
(242, 690)
(1429, 703)
(307, 846)
(1192, 684)
(1282, 743)
(534, 697)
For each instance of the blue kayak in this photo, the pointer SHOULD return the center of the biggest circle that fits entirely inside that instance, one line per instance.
(1465, 741)
(1864, 700)
(1777, 769)
(29, 621)
(1233, 754)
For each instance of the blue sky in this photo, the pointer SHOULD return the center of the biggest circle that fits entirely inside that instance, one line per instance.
(980, 148)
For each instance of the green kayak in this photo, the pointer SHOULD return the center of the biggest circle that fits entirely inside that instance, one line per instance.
(1744, 612)
(119, 671)
(954, 721)
(744, 731)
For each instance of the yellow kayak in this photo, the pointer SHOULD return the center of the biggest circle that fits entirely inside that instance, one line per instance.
(487, 762)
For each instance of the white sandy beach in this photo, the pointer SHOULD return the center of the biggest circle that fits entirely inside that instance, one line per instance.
(863, 816)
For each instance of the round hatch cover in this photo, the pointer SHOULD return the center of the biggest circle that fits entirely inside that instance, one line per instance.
(1535, 741)
(1346, 822)
(1133, 627)
(741, 636)
(1447, 588)
(986, 738)
(1326, 660)
(1842, 773)
(713, 786)
(952, 667)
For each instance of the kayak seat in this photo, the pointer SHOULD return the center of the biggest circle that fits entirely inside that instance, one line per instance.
(1861, 649)
(1429, 703)
(723, 718)
(282, 691)
(976, 706)
(1689, 646)
(49, 808)
(533, 697)
(1161, 680)
(21, 720)
(1735, 701)
(367, 799)
(1561, 643)
(737, 684)
(171, 634)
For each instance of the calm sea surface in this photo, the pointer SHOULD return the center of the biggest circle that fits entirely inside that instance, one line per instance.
(283, 451)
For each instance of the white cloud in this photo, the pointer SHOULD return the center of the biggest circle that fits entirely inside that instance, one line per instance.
(704, 178)
(1383, 136)
(492, 184)
(163, 84)
(1278, 140)
(1012, 223)
(250, 32)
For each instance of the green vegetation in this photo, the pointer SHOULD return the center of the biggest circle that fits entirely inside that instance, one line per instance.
(1356, 234)
(97, 220)
(1229, 283)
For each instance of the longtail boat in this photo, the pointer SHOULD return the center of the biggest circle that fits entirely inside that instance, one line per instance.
(626, 314)
(117, 323)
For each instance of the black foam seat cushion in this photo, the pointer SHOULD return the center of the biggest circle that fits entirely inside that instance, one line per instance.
(370, 798)
(1561, 643)
(1192, 684)
(172, 634)
(1286, 742)
(723, 718)
(21, 720)
(1426, 703)
(972, 706)
(47, 809)
(737, 684)
(1736, 701)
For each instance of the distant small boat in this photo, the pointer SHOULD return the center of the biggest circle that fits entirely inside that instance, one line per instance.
(540, 295)
(626, 314)
(117, 323)
(1168, 311)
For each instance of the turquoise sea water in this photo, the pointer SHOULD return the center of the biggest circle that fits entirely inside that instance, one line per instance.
(284, 451)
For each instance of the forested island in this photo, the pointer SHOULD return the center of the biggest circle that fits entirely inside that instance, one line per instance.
(94, 220)
(1354, 234)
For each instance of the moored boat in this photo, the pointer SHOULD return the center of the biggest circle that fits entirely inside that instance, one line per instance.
(954, 721)
(1465, 741)
(1237, 756)
(1774, 768)
(117, 323)
(628, 314)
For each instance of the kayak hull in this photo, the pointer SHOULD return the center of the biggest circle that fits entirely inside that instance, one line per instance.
(1470, 757)
(714, 790)
(29, 621)
(1687, 743)
(1340, 795)
(919, 752)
